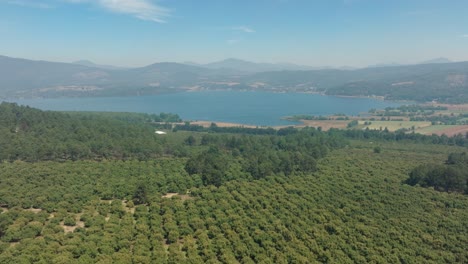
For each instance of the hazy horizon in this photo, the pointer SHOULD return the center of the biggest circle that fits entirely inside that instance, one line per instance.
(355, 33)
(85, 61)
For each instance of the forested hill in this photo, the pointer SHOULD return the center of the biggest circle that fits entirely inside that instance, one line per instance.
(33, 135)
(30, 134)
(443, 82)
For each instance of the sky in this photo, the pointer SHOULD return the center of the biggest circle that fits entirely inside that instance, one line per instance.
(309, 32)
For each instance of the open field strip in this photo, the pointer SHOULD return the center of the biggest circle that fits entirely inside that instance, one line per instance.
(395, 125)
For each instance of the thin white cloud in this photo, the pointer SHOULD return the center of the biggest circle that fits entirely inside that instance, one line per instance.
(141, 9)
(31, 4)
(244, 29)
(464, 36)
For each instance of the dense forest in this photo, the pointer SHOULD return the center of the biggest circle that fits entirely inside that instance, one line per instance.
(450, 177)
(220, 195)
(365, 134)
(258, 157)
(31, 135)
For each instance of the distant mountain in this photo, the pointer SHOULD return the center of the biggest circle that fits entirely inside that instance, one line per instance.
(379, 65)
(394, 64)
(191, 63)
(170, 67)
(28, 78)
(437, 60)
(168, 74)
(443, 82)
(21, 75)
(94, 65)
(347, 68)
(249, 67)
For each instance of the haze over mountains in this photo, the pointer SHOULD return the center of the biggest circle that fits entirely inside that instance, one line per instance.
(393, 64)
(436, 79)
(94, 65)
(247, 66)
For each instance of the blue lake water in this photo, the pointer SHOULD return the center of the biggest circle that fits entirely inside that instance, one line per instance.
(250, 108)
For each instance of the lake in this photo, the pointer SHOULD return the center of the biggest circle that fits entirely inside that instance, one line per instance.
(250, 108)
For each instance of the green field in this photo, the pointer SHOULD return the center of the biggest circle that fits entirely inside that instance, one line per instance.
(396, 125)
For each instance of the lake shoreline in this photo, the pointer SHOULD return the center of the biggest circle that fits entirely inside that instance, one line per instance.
(262, 109)
(205, 123)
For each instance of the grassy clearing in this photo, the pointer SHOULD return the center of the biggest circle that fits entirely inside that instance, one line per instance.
(326, 124)
(453, 111)
(434, 129)
(456, 130)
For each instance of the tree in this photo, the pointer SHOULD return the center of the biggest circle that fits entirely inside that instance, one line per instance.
(448, 177)
(377, 149)
(190, 140)
(352, 124)
(140, 195)
(212, 165)
(456, 158)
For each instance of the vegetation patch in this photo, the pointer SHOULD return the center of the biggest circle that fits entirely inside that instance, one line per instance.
(450, 177)
(325, 125)
(433, 129)
(255, 195)
(396, 125)
(454, 130)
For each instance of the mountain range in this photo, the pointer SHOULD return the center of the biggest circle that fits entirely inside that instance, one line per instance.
(437, 79)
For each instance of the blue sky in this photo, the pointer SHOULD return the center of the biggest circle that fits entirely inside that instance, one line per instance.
(309, 32)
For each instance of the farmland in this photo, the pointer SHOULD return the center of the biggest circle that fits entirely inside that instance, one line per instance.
(395, 125)
(425, 119)
(355, 198)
